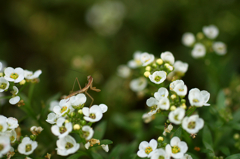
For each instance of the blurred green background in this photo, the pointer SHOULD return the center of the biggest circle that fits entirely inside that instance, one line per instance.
(53, 35)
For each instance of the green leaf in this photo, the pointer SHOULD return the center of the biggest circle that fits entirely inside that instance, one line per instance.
(161, 127)
(221, 100)
(116, 151)
(96, 155)
(207, 140)
(191, 110)
(236, 116)
(225, 150)
(178, 132)
(100, 130)
(106, 142)
(235, 125)
(77, 155)
(235, 156)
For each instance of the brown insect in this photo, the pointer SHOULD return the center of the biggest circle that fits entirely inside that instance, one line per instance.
(85, 89)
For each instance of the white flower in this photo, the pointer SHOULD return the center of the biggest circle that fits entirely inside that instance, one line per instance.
(177, 147)
(174, 83)
(162, 92)
(168, 129)
(12, 123)
(136, 62)
(151, 102)
(12, 135)
(198, 98)
(220, 48)
(3, 123)
(27, 146)
(180, 67)
(87, 132)
(53, 104)
(4, 84)
(147, 117)
(146, 149)
(14, 75)
(30, 75)
(158, 77)
(78, 100)
(66, 146)
(14, 100)
(61, 130)
(186, 156)
(138, 84)
(210, 31)
(161, 154)
(94, 113)
(3, 65)
(87, 145)
(164, 103)
(168, 57)
(176, 116)
(198, 51)
(147, 58)
(192, 124)
(105, 147)
(0, 66)
(4, 145)
(52, 118)
(36, 130)
(123, 71)
(63, 107)
(15, 90)
(188, 39)
(178, 87)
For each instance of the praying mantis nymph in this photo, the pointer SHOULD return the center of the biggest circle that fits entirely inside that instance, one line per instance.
(85, 89)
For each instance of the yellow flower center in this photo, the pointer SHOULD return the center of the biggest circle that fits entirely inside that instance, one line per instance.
(191, 125)
(86, 134)
(161, 157)
(1, 128)
(14, 75)
(63, 109)
(181, 90)
(28, 147)
(157, 78)
(12, 138)
(1, 147)
(68, 145)
(3, 85)
(175, 149)
(92, 115)
(176, 117)
(148, 150)
(195, 100)
(62, 129)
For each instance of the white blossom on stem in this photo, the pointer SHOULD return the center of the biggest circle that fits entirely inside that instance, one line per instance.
(192, 124)
(168, 57)
(67, 145)
(177, 147)
(146, 149)
(188, 39)
(210, 31)
(27, 146)
(198, 51)
(147, 58)
(14, 75)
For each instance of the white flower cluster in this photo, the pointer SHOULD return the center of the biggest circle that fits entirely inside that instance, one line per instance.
(70, 115)
(157, 70)
(12, 76)
(176, 149)
(106, 17)
(8, 134)
(203, 45)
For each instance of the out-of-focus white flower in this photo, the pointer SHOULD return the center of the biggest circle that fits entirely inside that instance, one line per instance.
(30, 75)
(158, 77)
(123, 71)
(164, 103)
(168, 129)
(198, 51)
(147, 117)
(12, 135)
(146, 149)
(146, 58)
(168, 57)
(87, 132)
(3, 123)
(93, 114)
(66, 146)
(162, 92)
(87, 145)
(138, 84)
(151, 102)
(180, 67)
(188, 39)
(3, 65)
(27, 146)
(12, 123)
(178, 87)
(192, 124)
(210, 31)
(106, 17)
(15, 90)
(36, 130)
(0, 66)
(52, 118)
(136, 62)
(176, 116)
(4, 145)
(161, 154)
(220, 48)
(4, 84)
(177, 147)
(78, 100)
(53, 104)
(198, 98)
(14, 100)
(14, 75)
(105, 147)
(61, 130)
(186, 156)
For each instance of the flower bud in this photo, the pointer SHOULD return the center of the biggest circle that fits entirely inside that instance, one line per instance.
(83, 122)
(160, 138)
(173, 96)
(147, 73)
(22, 82)
(80, 111)
(148, 68)
(236, 136)
(159, 61)
(172, 108)
(76, 127)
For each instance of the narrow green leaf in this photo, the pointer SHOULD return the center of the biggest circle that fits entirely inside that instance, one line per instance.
(77, 155)
(116, 151)
(221, 100)
(191, 110)
(96, 155)
(100, 130)
(161, 127)
(106, 142)
(207, 140)
(235, 156)
(178, 132)
(225, 150)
